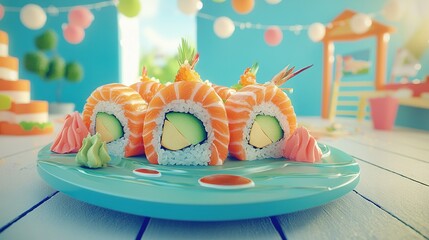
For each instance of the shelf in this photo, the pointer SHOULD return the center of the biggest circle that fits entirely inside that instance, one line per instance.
(414, 102)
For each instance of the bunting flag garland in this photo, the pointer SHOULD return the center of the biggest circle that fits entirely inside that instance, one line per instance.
(224, 27)
(80, 17)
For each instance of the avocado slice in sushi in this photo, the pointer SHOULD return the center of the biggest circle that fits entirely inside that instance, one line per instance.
(265, 130)
(171, 138)
(257, 137)
(188, 125)
(108, 126)
(270, 126)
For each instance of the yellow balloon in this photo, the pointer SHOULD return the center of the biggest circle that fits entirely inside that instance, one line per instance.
(129, 8)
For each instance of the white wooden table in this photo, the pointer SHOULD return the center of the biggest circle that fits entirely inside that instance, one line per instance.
(391, 200)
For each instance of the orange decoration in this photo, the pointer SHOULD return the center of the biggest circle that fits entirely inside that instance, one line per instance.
(243, 6)
(21, 85)
(4, 39)
(29, 108)
(248, 78)
(187, 73)
(9, 62)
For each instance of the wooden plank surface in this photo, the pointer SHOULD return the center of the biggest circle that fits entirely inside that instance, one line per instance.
(350, 217)
(403, 198)
(62, 217)
(11, 145)
(401, 136)
(405, 166)
(20, 185)
(389, 144)
(260, 228)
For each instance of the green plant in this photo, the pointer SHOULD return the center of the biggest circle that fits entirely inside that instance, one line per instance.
(164, 69)
(49, 65)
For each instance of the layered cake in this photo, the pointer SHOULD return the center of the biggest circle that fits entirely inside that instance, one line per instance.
(4, 44)
(18, 114)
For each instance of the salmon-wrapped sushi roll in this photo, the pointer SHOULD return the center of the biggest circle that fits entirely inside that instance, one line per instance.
(261, 118)
(186, 124)
(117, 112)
(147, 87)
(223, 92)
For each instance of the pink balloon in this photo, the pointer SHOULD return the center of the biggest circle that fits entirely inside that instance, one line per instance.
(273, 36)
(81, 16)
(73, 34)
(1, 12)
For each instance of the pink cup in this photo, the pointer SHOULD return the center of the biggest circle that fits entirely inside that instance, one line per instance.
(383, 112)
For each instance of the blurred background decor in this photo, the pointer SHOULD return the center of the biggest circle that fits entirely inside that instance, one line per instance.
(67, 49)
(50, 66)
(127, 34)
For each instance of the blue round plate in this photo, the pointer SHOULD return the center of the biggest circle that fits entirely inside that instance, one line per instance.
(176, 192)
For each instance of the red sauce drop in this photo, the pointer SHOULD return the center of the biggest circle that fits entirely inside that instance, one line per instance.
(225, 180)
(146, 171)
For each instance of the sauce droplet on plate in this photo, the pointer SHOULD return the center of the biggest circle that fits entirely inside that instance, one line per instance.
(144, 172)
(226, 181)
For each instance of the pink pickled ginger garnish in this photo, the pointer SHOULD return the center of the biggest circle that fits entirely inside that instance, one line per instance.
(302, 147)
(69, 140)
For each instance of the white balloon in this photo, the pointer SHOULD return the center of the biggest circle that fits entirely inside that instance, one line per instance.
(360, 23)
(316, 32)
(273, 1)
(223, 27)
(393, 10)
(189, 7)
(33, 16)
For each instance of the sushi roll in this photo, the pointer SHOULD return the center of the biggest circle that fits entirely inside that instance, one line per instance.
(223, 92)
(248, 77)
(261, 117)
(147, 87)
(117, 113)
(186, 124)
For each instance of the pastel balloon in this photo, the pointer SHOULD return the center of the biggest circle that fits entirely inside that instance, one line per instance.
(393, 10)
(316, 32)
(129, 8)
(360, 23)
(273, 1)
(73, 34)
(273, 36)
(189, 7)
(243, 6)
(80, 16)
(1, 12)
(33, 16)
(223, 27)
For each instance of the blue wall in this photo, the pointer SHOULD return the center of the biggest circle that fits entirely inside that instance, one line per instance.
(223, 60)
(98, 52)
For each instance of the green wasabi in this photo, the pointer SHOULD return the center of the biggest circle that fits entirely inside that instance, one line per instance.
(93, 153)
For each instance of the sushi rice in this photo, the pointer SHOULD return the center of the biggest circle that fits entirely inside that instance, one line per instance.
(115, 148)
(273, 150)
